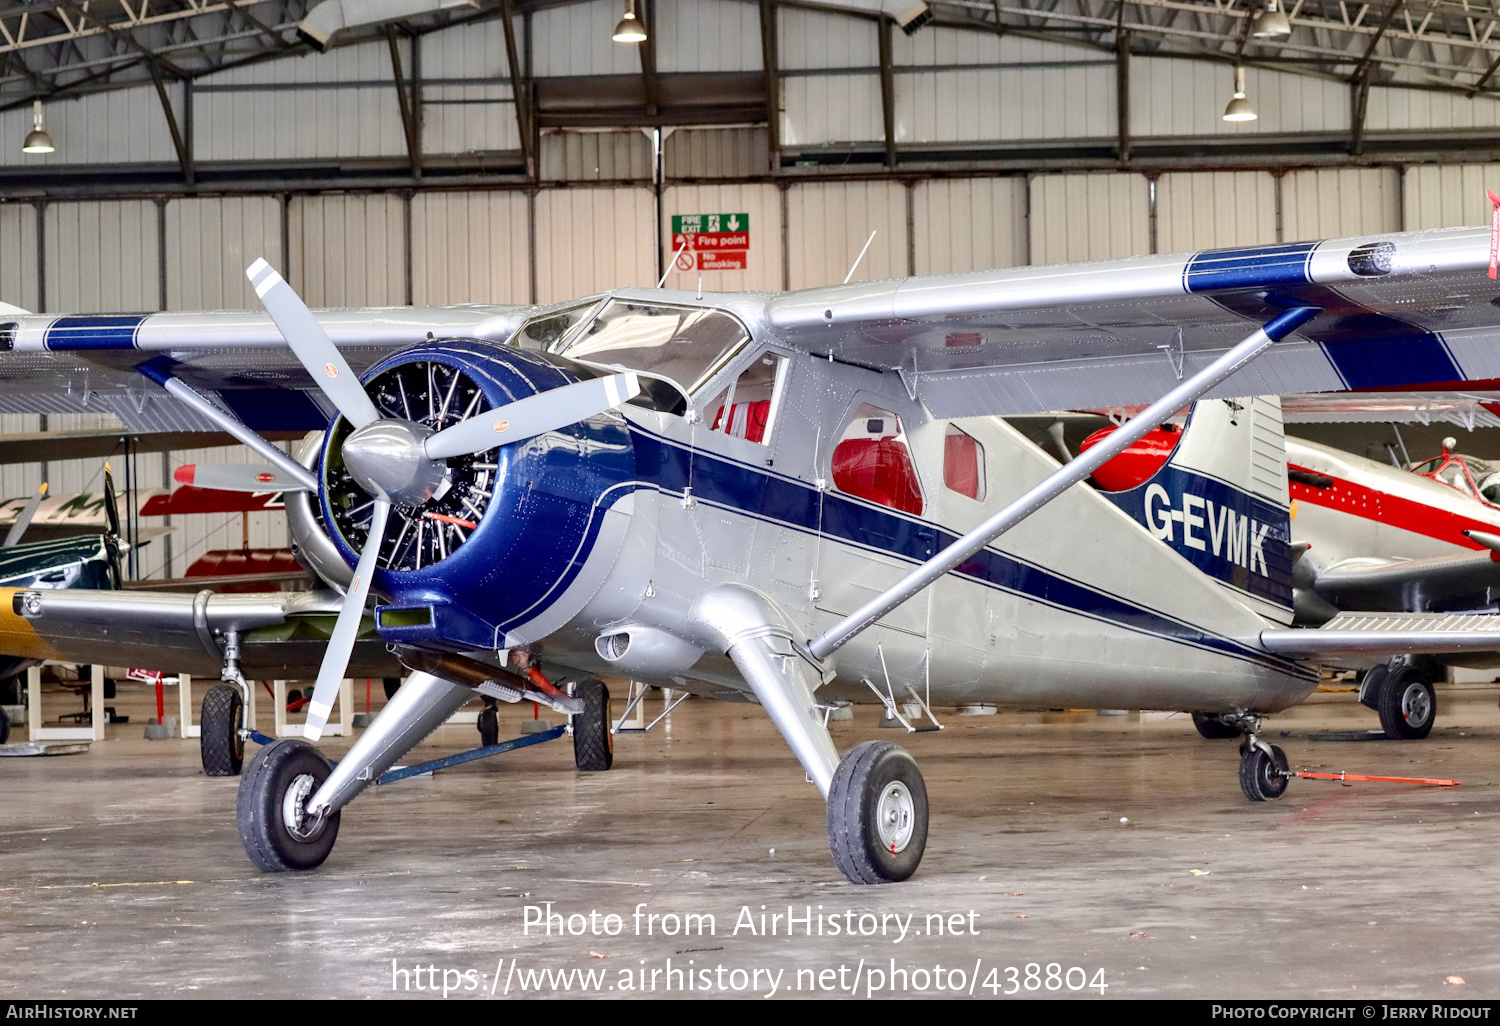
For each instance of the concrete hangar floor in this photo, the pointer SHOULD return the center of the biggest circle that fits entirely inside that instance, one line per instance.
(1119, 846)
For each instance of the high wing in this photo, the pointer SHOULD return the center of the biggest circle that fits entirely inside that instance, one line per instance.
(89, 362)
(1395, 312)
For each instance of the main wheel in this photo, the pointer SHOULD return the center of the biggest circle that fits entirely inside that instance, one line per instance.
(219, 741)
(1213, 728)
(272, 806)
(489, 725)
(4, 727)
(877, 814)
(593, 744)
(1407, 704)
(1263, 778)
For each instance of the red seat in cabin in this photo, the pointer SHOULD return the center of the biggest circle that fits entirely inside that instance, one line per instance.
(877, 469)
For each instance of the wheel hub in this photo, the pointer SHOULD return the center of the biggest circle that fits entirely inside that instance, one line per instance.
(294, 814)
(1416, 705)
(895, 817)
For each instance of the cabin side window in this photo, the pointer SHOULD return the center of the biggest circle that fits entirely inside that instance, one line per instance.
(872, 461)
(963, 464)
(745, 410)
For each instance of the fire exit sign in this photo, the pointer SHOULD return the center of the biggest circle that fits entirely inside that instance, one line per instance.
(715, 242)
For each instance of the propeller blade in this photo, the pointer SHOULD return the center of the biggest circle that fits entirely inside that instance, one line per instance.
(346, 628)
(534, 415)
(113, 535)
(311, 345)
(24, 520)
(236, 477)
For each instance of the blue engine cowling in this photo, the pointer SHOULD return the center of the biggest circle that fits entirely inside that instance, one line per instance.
(549, 497)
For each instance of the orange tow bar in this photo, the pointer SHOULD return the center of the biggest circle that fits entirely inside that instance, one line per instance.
(1434, 782)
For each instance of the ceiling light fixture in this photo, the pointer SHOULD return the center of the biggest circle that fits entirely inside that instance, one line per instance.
(630, 29)
(1271, 23)
(37, 140)
(1239, 108)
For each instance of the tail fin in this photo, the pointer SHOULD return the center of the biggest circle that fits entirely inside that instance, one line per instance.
(1220, 499)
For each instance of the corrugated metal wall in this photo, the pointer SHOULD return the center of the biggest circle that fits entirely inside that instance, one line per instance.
(209, 244)
(348, 250)
(124, 126)
(468, 118)
(469, 247)
(574, 39)
(571, 156)
(1449, 197)
(1331, 203)
(18, 255)
(102, 256)
(707, 35)
(828, 108)
(828, 224)
(716, 153)
(333, 121)
(589, 240)
(1088, 217)
(969, 224)
(1208, 210)
(763, 268)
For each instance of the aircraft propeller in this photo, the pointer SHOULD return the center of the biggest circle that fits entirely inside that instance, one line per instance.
(112, 534)
(401, 462)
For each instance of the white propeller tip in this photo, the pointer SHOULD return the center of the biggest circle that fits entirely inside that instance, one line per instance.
(263, 277)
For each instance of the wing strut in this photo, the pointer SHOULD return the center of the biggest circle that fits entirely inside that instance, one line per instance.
(233, 425)
(1060, 481)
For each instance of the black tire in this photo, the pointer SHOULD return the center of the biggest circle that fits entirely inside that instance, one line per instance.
(219, 741)
(293, 697)
(1407, 704)
(1262, 778)
(489, 725)
(391, 685)
(1210, 726)
(259, 809)
(872, 775)
(593, 744)
(4, 727)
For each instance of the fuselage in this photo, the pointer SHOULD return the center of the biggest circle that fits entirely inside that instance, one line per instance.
(1079, 606)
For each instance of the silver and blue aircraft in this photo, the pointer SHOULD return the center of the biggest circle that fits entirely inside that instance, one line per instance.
(801, 500)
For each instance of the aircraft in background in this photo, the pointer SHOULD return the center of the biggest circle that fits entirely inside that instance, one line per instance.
(799, 500)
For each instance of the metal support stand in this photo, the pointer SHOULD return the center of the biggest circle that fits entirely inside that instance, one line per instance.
(670, 705)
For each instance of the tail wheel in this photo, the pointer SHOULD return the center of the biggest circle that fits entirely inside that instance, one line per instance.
(1213, 728)
(877, 814)
(272, 808)
(1407, 704)
(489, 725)
(219, 741)
(1263, 777)
(593, 744)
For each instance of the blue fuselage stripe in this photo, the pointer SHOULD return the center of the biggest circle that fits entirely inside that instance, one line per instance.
(790, 503)
(94, 331)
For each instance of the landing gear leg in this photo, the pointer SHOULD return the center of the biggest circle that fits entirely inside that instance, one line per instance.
(877, 811)
(290, 799)
(1263, 767)
(222, 728)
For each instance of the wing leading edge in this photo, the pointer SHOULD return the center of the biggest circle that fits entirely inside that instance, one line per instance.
(1396, 311)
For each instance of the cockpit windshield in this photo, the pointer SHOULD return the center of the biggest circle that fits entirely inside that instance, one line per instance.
(546, 331)
(683, 345)
(1468, 474)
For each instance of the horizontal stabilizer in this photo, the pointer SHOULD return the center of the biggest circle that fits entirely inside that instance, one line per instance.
(1382, 634)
